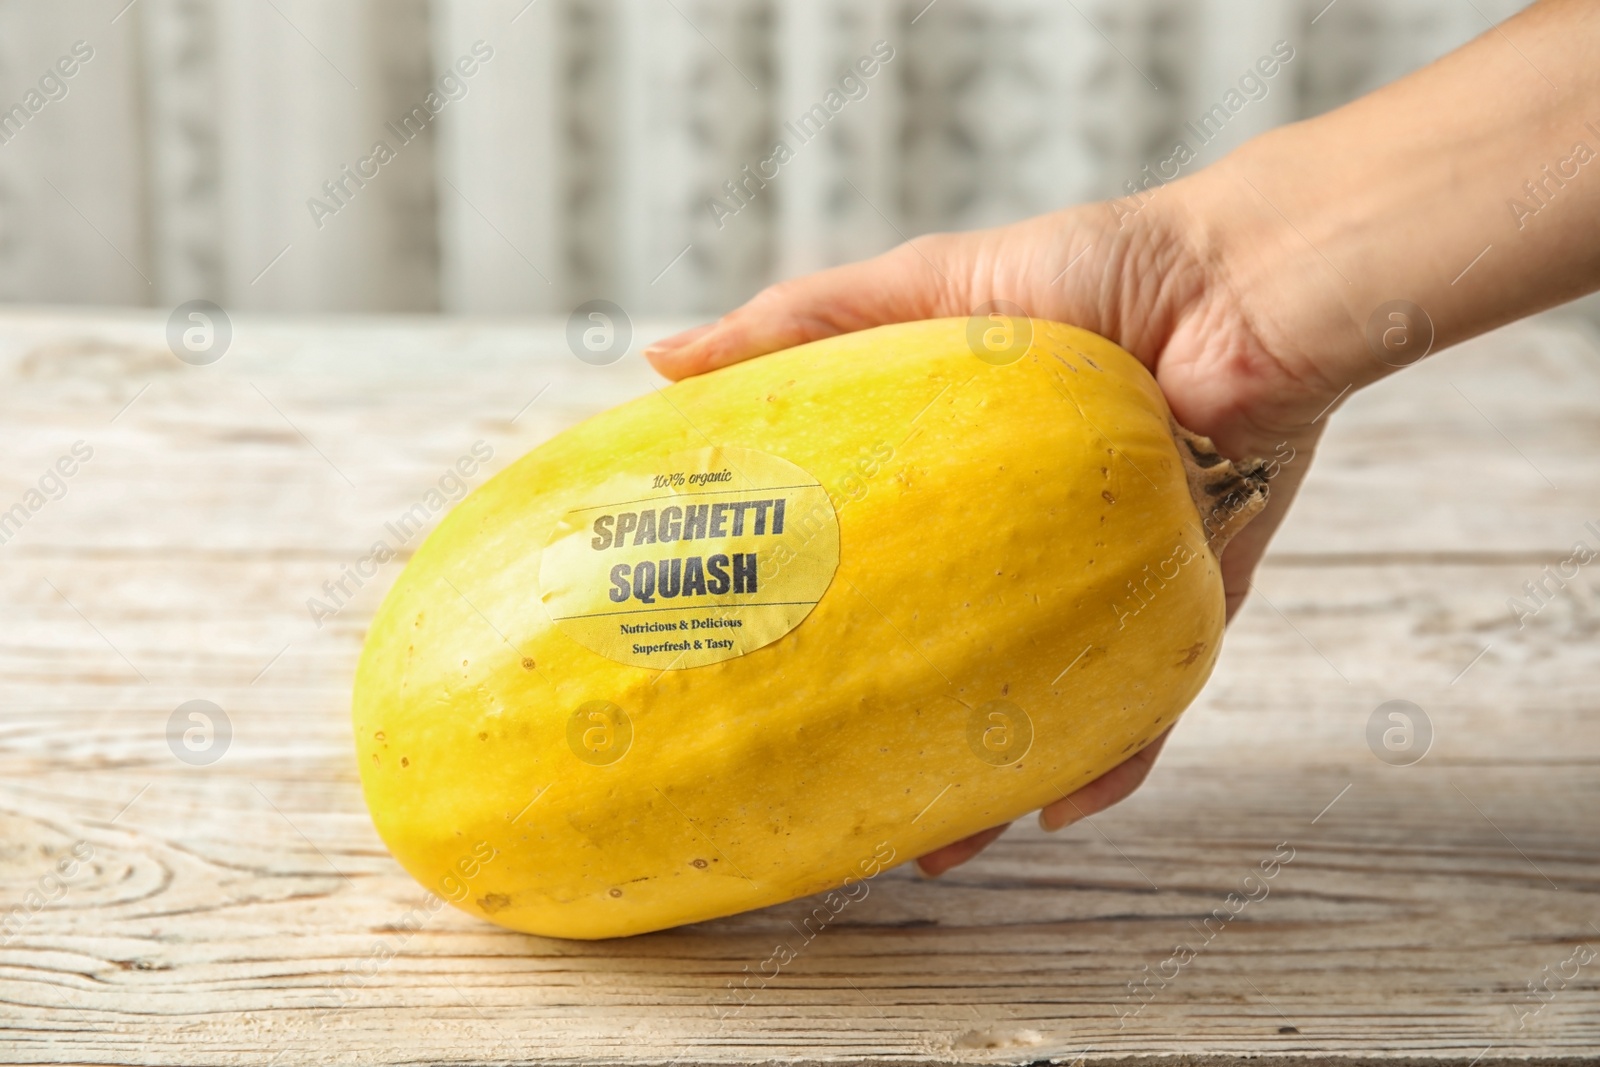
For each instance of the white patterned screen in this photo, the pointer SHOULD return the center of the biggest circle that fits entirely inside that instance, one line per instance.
(584, 156)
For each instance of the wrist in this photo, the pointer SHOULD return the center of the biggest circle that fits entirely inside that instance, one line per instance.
(1265, 256)
(1393, 226)
(1278, 343)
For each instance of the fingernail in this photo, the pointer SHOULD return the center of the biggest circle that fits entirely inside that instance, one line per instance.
(678, 340)
(925, 874)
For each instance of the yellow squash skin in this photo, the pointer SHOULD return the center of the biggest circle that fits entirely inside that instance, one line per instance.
(991, 551)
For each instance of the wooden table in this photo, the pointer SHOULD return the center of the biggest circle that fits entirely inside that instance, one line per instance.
(245, 912)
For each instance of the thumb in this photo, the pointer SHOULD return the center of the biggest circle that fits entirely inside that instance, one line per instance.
(909, 282)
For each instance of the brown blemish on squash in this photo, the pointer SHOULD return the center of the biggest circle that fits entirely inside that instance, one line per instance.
(1191, 654)
(494, 902)
(405, 761)
(702, 864)
(527, 663)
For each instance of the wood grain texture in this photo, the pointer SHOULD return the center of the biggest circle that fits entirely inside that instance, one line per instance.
(245, 912)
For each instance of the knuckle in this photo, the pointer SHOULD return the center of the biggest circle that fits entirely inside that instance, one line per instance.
(775, 295)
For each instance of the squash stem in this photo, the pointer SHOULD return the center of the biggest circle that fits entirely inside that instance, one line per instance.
(1226, 494)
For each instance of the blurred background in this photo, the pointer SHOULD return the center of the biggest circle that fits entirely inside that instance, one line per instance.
(538, 154)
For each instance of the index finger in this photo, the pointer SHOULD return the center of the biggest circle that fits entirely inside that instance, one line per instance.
(902, 285)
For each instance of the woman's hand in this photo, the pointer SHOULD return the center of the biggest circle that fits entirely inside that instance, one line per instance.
(1148, 282)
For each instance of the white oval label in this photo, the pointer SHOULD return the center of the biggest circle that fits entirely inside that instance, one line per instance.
(708, 555)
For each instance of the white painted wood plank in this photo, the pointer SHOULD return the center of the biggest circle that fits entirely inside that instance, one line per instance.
(502, 165)
(72, 176)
